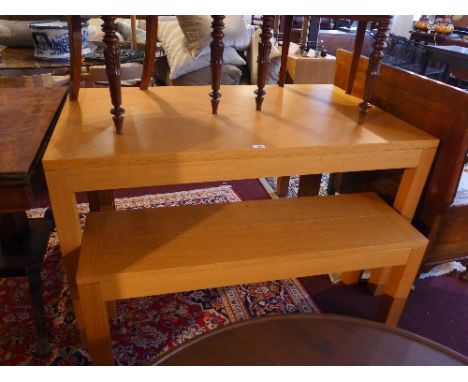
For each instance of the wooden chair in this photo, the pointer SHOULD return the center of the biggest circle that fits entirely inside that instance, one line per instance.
(112, 60)
(310, 184)
(217, 50)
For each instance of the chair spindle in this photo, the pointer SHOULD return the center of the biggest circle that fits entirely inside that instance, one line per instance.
(288, 21)
(112, 58)
(373, 70)
(264, 48)
(150, 51)
(217, 51)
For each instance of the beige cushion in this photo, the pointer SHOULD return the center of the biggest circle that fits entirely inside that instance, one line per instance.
(125, 28)
(230, 75)
(197, 31)
(178, 55)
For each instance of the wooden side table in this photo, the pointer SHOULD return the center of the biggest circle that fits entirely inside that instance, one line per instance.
(450, 56)
(311, 69)
(28, 116)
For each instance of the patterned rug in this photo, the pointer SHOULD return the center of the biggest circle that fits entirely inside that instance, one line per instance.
(143, 328)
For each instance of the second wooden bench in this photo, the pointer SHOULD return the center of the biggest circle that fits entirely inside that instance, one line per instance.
(147, 252)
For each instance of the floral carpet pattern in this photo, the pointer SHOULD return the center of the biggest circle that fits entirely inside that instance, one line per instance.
(143, 328)
(294, 185)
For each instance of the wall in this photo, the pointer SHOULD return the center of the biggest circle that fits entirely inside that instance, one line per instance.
(402, 25)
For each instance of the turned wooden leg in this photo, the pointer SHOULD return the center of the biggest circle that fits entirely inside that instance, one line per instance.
(112, 58)
(380, 43)
(264, 48)
(398, 288)
(94, 312)
(309, 185)
(282, 185)
(359, 40)
(74, 38)
(150, 51)
(217, 52)
(288, 21)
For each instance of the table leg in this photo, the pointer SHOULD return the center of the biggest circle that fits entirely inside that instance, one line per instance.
(398, 288)
(446, 73)
(74, 36)
(112, 58)
(35, 290)
(309, 185)
(67, 223)
(406, 201)
(350, 278)
(13, 225)
(358, 42)
(97, 324)
(424, 63)
(150, 51)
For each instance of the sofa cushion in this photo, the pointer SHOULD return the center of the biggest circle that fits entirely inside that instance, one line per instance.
(197, 31)
(178, 54)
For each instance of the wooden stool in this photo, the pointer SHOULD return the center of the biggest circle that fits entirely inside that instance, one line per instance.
(375, 58)
(147, 252)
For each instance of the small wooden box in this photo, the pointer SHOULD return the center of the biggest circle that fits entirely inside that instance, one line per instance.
(311, 69)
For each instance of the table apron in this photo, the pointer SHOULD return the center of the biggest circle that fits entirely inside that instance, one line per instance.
(150, 173)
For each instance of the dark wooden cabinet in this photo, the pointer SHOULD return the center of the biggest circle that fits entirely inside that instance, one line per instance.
(439, 109)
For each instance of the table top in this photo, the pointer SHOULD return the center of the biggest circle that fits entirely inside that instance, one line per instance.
(26, 115)
(304, 339)
(175, 124)
(23, 58)
(431, 37)
(449, 49)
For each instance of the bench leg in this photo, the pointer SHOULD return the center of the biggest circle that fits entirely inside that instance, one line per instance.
(350, 278)
(398, 288)
(377, 281)
(111, 308)
(406, 201)
(94, 312)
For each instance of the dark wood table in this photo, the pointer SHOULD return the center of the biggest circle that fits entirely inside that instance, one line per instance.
(439, 39)
(27, 117)
(304, 339)
(451, 56)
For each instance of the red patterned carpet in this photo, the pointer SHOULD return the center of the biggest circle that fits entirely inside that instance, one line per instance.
(145, 327)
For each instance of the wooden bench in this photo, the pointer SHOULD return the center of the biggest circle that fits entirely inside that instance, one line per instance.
(146, 252)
